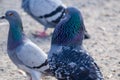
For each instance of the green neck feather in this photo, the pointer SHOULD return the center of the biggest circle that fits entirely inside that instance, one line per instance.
(73, 26)
(71, 33)
(15, 31)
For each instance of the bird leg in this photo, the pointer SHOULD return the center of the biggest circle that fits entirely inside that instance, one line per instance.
(40, 34)
(30, 78)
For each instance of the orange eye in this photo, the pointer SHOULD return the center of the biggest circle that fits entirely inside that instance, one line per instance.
(10, 14)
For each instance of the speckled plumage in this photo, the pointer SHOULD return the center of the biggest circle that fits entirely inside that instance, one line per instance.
(67, 58)
(26, 55)
(73, 64)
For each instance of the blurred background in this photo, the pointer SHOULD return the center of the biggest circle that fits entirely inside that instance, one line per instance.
(102, 20)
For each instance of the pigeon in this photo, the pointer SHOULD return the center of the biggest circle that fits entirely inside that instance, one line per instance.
(67, 58)
(47, 12)
(25, 54)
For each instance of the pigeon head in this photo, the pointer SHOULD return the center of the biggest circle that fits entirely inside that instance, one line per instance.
(24, 1)
(72, 11)
(70, 31)
(15, 36)
(14, 19)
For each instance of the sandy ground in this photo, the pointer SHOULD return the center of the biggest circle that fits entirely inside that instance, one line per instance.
(102, 20)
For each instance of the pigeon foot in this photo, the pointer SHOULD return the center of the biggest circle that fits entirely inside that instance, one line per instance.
(40, 34)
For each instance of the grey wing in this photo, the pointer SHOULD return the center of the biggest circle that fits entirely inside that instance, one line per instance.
(32, 56)
(38, 10)
(26, 7)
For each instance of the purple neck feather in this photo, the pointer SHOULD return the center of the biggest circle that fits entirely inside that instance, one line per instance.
(12, 44)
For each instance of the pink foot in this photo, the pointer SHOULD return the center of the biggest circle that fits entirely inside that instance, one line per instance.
(40, 34)
(30, 78)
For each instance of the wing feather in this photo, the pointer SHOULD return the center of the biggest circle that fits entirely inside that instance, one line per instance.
(42, 7)
(31, 55)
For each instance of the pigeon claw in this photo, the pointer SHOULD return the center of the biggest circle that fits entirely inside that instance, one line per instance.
(40, 34)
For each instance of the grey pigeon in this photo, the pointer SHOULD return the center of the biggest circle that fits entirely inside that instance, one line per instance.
(47, 12)
(67, 58)
(26, 55)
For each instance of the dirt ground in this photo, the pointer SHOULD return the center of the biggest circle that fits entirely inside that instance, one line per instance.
(102, 20)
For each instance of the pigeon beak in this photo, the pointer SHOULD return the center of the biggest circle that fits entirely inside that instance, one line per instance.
(3, 17)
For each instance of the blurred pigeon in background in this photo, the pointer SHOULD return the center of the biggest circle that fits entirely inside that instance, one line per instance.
(47, 12)
(67, 58)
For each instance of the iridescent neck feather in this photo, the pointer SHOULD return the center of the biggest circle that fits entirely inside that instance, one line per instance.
(70, 32)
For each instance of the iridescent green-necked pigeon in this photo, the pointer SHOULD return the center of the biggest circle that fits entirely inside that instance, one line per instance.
(67, 58)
